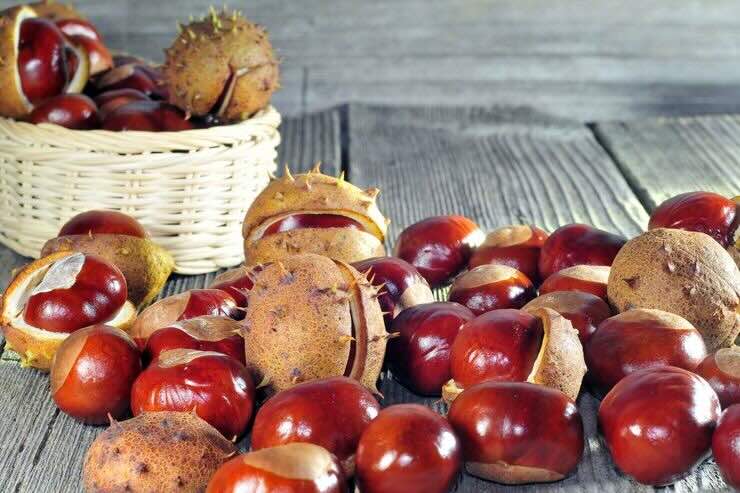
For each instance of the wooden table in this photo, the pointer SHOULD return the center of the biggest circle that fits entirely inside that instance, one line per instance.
(498, 165)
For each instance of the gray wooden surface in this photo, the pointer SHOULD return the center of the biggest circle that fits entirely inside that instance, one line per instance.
(498, 165)
(604, 60)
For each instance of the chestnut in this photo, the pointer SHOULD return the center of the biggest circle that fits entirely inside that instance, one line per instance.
(585, 278)
(419, 357)
(331, 412)
(56, 295)
(73, 111)
(237, 282)
(517, 432)
(517, 246)
(121, 240)
(133, 74)
(148, 116)
(578, 244)
(658, 423)
(722, 370)
(703, 212)
(217, 387)
(641, 338)
(408, 447)
(726, 445)
(492, 287)
(402, 285)
(514, 345)
(584, 310)
(317, 214)
(209, 333)
(73, 26)
(41, 60)
(109, 101)
(292, 468)
(439, 247)
(183, 306)
(82, 33)
(92, 373)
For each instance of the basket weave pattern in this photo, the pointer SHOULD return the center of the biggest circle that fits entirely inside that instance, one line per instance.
(190, 189)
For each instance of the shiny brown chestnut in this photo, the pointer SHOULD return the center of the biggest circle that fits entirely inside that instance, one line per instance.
(578, 244)
(331, 412)
(149, 116)
(134, 74)
(183, 306)
(492, 287)
(92, 374)
(658, 423)
(584, 310)
(722, 370)
(78, 27)
(704, 212)
(726, 446)
(73, 111)
(102, 222)
(408, 447)
(419, 357)
(217, 387)
(292, 468)
(517, 432)
(517, 246)
(402, 285)
(109, 101)
(641, 338)
(514, 345)
(41, 60)
(237, 282)
(439, 247)
(209, 333)
(98, 54)
(585, 278)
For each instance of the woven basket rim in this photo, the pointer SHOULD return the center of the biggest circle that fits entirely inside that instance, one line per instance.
(135, 141)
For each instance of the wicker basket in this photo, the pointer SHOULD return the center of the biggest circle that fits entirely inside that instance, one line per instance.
(190, 189)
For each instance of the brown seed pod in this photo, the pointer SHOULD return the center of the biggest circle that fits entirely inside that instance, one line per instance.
(312, 317)
(36, 346)
(222, 64)
(13, 104)
(314, 213)
(680, 272)
(145, 264)
(159, 451)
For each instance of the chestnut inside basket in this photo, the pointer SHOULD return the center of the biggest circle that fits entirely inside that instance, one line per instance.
(190, 189)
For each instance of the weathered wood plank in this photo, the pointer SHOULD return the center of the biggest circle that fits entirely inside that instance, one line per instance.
(664, 157)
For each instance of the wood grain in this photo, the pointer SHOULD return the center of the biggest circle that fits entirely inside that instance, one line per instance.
(665, 157)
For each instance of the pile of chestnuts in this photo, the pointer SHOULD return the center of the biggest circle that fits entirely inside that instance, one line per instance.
(57, 69)
(289, 347)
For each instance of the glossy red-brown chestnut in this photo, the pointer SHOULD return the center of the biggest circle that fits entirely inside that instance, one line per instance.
(584, 310)
(217, 387)
(585, 278)
(658, 423)
(292, 468)
(209, 333)
(726, 446)
(74, 111)
(578, 244)
(237, 282)
(312, 221)
(109, 101)
(439, 247)
(402, 285)
(492, 287)
(517, 432)
(78, 27)
(98, 222)
(408, 447)
(516, 246)
(42, 62)
(99, 56)
(705, 212)
(76, 292)
(183, 306)
(133, 75)
(641, 338)
(149, 116)
(420, 354)
(722, 370)
(92, 374)
(331, 412)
